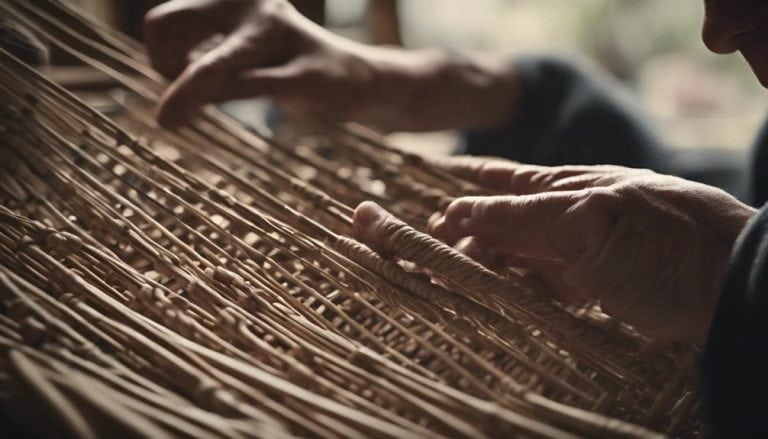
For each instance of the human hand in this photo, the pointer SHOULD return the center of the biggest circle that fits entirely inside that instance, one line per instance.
(270, 49)
(653, 249)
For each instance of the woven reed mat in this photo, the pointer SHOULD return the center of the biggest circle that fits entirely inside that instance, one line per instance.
(203, 283)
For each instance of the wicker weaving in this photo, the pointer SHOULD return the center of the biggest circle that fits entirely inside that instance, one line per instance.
(204, 283)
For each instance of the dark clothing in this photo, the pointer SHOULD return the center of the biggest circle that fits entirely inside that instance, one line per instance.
(759, 169)
(571, 116)
(734, 364)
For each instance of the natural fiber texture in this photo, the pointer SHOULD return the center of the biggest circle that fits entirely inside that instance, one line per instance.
(204, 283)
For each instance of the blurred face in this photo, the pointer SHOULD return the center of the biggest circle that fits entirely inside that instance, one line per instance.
(731, 25)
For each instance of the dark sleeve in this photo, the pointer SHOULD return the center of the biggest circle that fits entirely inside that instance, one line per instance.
(734, 363)
(759, 176)
(569, 114)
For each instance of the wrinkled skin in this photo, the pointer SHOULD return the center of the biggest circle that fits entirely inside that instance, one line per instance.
(652, 249)
(270, 49)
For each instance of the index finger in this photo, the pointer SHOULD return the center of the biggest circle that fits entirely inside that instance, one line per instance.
(555, 226)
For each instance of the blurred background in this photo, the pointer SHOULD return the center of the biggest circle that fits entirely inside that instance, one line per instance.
(695, 98)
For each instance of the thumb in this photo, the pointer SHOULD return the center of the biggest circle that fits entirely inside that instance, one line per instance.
(372, 224)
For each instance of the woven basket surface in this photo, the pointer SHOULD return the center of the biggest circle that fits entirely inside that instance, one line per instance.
(205, 282)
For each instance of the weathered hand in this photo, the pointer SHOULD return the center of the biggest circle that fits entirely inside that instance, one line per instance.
(653, 249)
(270, 49)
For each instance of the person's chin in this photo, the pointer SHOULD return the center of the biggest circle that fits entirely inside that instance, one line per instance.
(754, 48)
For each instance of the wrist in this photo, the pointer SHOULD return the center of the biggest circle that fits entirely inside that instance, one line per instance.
(482, 90)
(401, 84)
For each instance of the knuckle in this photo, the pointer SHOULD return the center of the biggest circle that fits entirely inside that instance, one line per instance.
(567, 170)
(591, 224)
(546, 179)
(524, 170)
(523, 175)
(605, 202)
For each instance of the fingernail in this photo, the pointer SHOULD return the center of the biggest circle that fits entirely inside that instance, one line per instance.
(366, 216)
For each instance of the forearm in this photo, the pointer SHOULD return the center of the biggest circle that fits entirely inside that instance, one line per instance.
(271, 50)
(433, 89)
